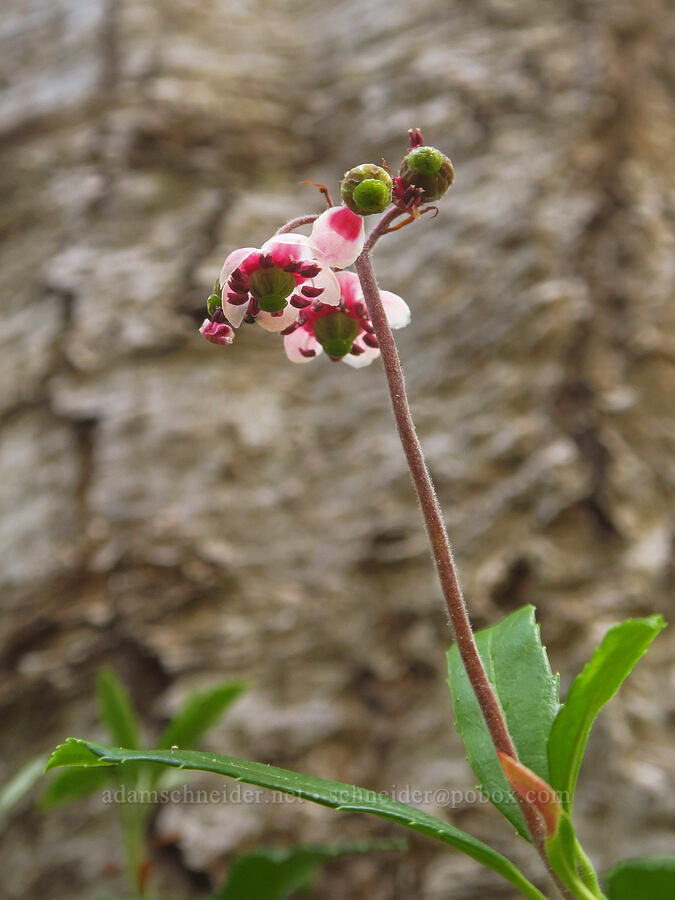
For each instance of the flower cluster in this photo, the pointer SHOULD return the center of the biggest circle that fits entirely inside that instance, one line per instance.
(296, 285)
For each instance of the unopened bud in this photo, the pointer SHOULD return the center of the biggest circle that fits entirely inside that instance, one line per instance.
(533, 790)
(215, 299)
(427, 168)
(366, 189)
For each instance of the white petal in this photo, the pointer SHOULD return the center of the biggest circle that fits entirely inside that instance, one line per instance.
(396, 309)
(301, 338)
(233, 260)
(234, 313)
(363, 359)
(350, 288)
(303, 248)
(339, 234)
(277, 323)
(331, 287)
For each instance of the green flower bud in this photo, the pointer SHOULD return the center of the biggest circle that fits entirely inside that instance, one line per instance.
(427, 168)
(366, 189)
(336, 332)
(214, 300)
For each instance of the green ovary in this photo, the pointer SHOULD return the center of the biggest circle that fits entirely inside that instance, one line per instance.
(371, 196)
(425, 160)
(336, 333)
(271, 287)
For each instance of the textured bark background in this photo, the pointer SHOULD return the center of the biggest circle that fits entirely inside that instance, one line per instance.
(184, 512)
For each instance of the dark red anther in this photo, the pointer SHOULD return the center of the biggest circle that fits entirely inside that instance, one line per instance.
(368, 326)
(360, 310)
(249, 319)
(311, 292)
(356, 350)
(307, 353)
(238, 280)
(406, 196)
(293, 266)
(265, 261)
(291, 328)
(415, 138)
(237, 286)
(299, 302)
(275, 315)
(218, 315)
(236, 299)
(370, 340)
(310, 271)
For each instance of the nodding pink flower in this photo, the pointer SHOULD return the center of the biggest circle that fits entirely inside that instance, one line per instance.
(215, 331)
(345, 332)
(271, 285)
(339, 235)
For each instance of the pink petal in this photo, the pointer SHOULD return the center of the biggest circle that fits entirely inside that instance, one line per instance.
(363, 359)
(217, 332)
(234, 313)
(294, 250)
(339, 234)
(327, 280)
(277, 323)
(233, 260)
(300, 246)
(396, 309)
(350, 287)
(301, 339)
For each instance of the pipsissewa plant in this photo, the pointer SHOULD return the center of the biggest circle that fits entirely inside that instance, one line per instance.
(525, 747)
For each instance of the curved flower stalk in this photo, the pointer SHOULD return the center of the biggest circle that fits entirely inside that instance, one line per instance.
(344, 331)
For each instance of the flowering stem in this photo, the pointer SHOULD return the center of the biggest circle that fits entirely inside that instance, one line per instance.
(296, 223)
(435, 525)
(381, 227)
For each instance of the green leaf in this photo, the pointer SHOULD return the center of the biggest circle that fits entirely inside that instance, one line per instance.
(73, 784)
(333, 794)
(74, 753)
(269, 874)
(621, 648)
(199, 713)
(20, 783)
(116, 710)
(648, 878)
(519, 671)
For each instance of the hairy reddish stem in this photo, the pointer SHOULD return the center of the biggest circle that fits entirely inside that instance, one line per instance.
(435, 525)
(381, 228)
(296, 223)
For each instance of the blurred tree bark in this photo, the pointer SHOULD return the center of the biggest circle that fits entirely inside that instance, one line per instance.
(186, 513)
